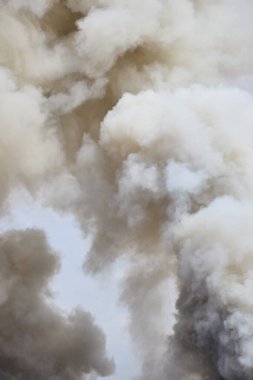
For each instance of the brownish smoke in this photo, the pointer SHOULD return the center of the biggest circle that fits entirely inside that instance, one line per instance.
(36, 341)
(136, 117)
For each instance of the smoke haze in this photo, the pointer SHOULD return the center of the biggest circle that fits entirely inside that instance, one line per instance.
(135, 117)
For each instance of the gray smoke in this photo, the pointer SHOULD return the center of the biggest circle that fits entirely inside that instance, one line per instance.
(135, 116)
(36, 341)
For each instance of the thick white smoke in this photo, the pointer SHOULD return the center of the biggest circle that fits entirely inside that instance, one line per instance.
(135, 116)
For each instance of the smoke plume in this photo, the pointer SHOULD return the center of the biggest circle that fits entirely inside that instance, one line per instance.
(36, 340)
(136, 117)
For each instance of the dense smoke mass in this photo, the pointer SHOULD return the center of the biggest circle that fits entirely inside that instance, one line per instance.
(135, 116)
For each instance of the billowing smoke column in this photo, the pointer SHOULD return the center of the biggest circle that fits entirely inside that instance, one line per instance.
(137, 117)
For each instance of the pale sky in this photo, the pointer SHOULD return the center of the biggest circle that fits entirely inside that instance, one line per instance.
(72, 287)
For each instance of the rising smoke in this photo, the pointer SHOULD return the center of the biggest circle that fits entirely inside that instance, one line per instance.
(135, 116)
(36, 341)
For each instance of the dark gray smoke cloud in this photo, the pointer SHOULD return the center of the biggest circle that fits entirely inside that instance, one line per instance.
(135, 116)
